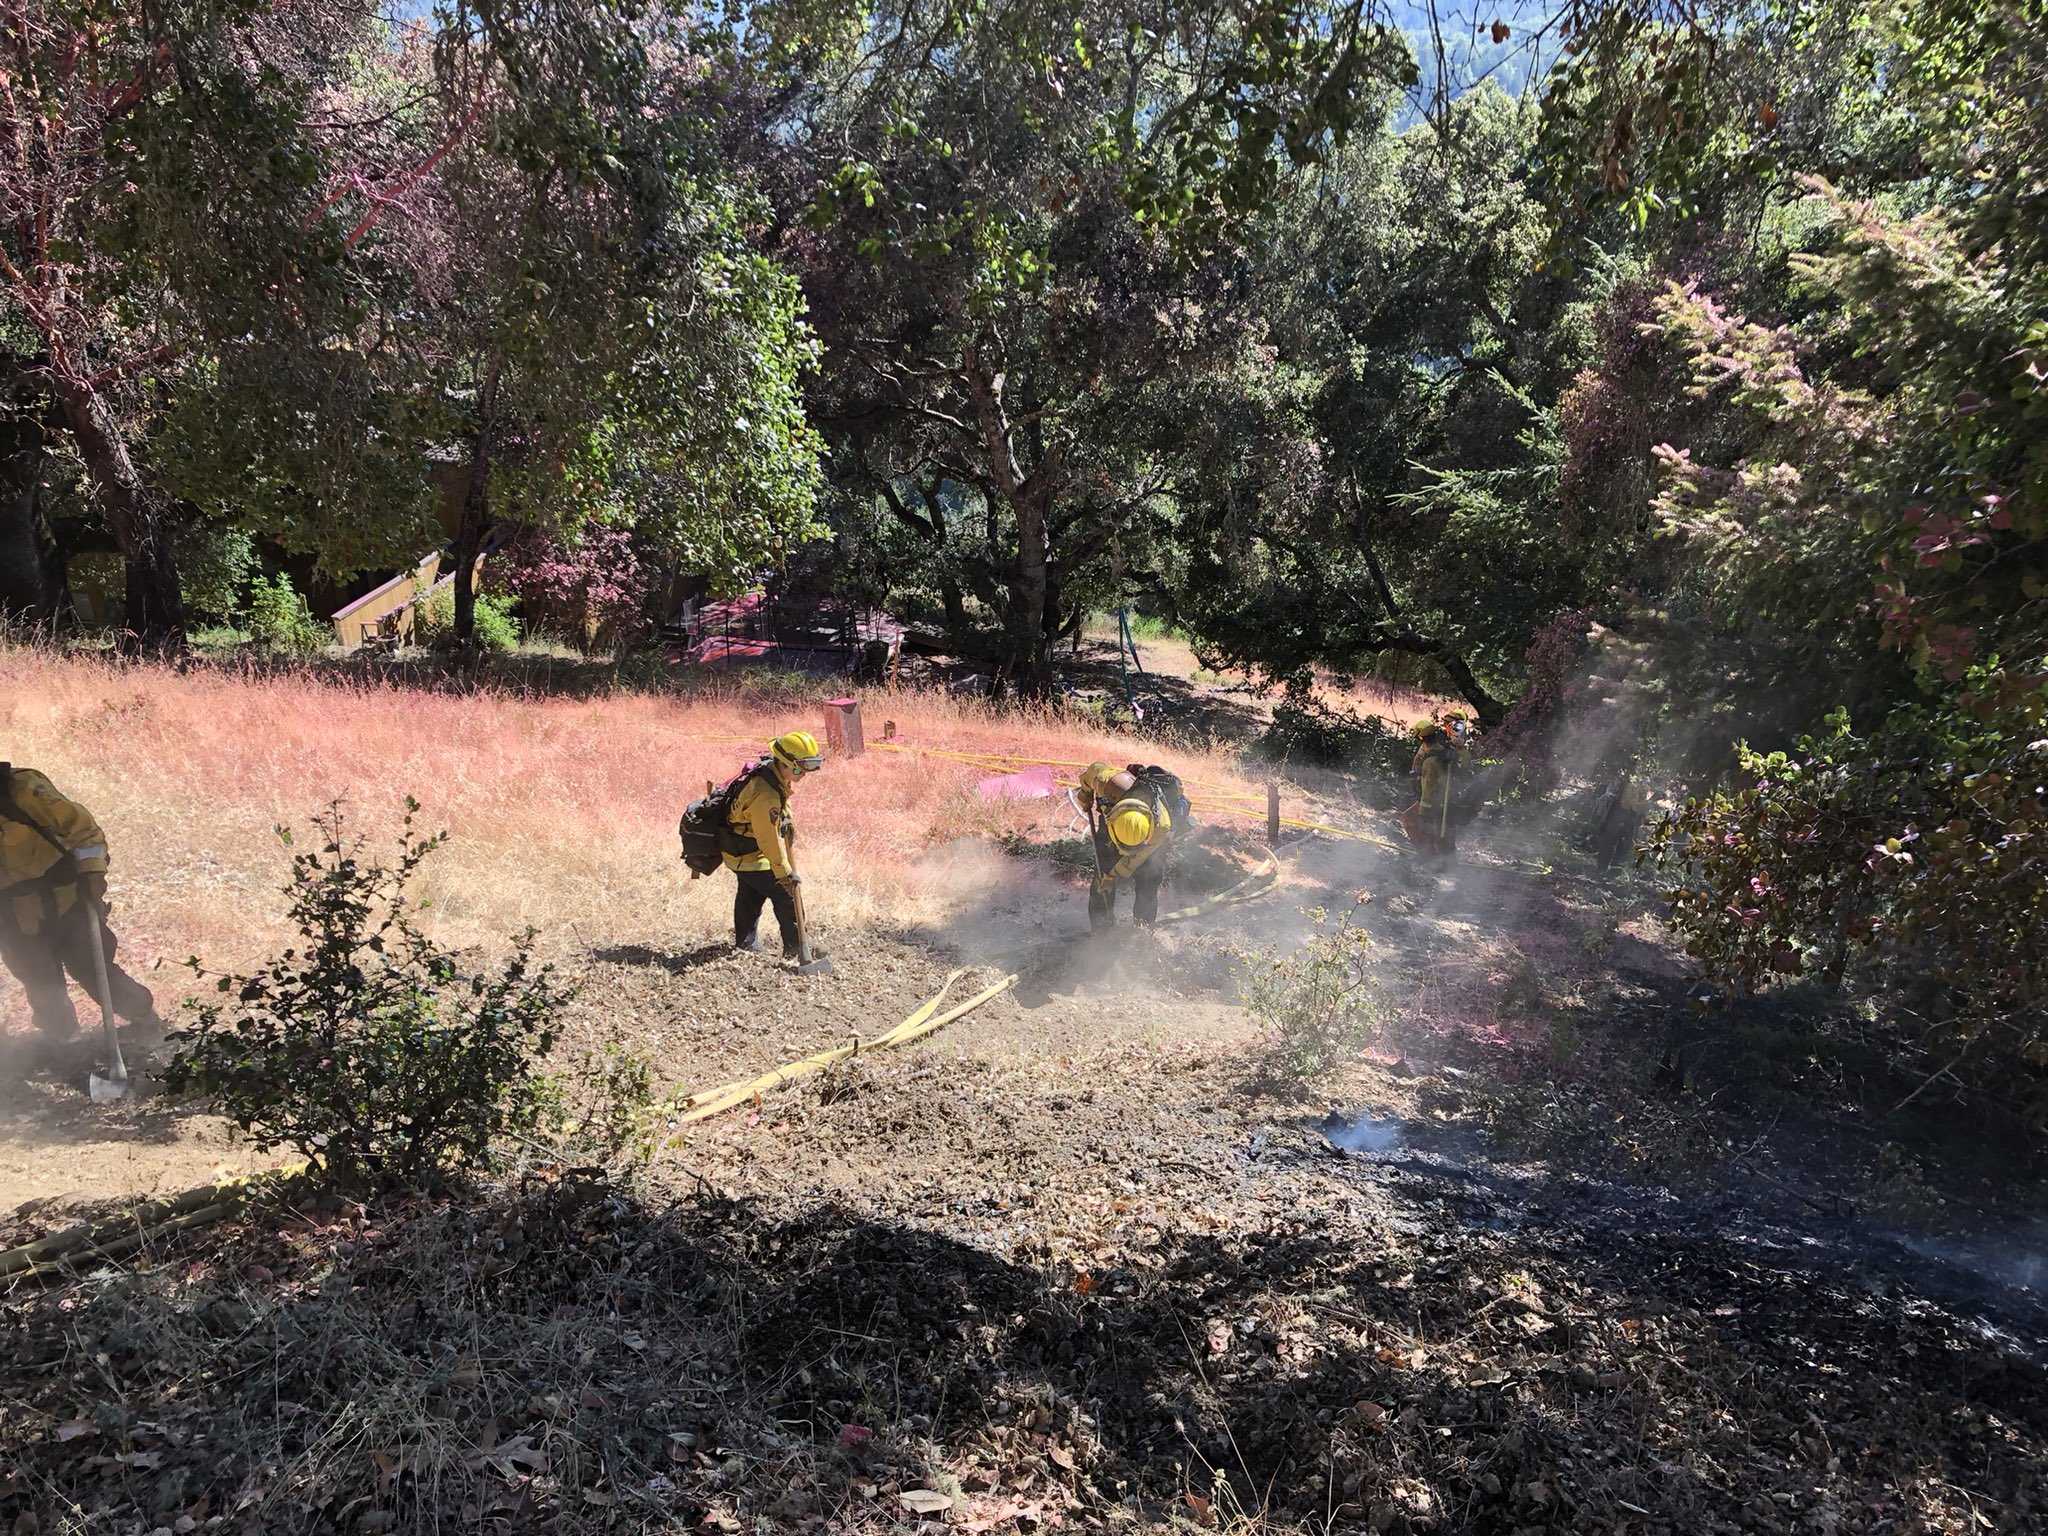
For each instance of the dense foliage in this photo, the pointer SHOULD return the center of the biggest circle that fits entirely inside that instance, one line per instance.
(1881, 499)
(374, 1053)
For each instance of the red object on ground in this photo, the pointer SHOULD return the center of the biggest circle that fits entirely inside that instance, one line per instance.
(842, 727)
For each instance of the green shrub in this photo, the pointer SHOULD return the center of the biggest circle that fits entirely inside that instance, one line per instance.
(280, 619)
(433, 615)
(1147, 626)
(384, 1059)
(215, 567)
(1308, 732)
(217, 637)
(496, 629)
(606, 1105)
(1323, 1003)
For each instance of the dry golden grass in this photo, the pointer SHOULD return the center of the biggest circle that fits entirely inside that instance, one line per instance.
(562, 811)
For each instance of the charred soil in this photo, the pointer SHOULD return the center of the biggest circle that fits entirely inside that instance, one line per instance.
(1090, 1258)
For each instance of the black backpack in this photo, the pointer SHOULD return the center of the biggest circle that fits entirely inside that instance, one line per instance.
(1166, 792)
(706, 827)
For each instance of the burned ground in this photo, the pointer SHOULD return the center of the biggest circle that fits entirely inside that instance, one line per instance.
(1190, 1312)
(1094, 1256)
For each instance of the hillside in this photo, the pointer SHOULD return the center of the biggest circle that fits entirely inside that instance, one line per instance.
(1098, 1254)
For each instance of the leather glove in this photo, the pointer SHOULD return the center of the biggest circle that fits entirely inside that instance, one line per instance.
(94, 884)
(792, 880)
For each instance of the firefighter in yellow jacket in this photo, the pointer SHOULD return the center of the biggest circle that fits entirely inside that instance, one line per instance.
(1135, 815)
(53, 887)
(1427, 822)
(758, 837)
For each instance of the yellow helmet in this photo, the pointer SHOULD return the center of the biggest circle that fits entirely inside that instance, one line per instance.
(798, 750)
(1130, 825)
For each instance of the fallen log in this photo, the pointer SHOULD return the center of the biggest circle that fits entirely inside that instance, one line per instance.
(94, 1242)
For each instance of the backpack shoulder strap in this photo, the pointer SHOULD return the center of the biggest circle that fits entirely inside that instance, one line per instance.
(766, 770)
(9, 811)
(739, 781)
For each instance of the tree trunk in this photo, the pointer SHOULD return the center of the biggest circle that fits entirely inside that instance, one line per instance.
(1054, 620)
(1491, 711)
(475, 522)
(31, 570)
(156, 609)
(956, 608)
(1029, 646)
(470, 529)
(1030, 640)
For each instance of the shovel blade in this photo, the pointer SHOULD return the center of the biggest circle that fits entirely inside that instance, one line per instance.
(106, 1090)
(818, 967)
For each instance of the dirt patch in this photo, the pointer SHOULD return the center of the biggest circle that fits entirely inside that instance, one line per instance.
(55, 1144)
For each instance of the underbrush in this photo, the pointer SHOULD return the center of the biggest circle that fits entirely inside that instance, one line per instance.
(572, 1353)
(491, 620)
(379, 1056)
(1606, 1130)
(1322, 1004)
(280, 620)
(1333, 737)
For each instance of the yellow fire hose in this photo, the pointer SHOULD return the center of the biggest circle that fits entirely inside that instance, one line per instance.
(925, 1019)
(707, 1102)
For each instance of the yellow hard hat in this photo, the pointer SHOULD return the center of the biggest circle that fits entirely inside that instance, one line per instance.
(1130, 825)
(799, 750)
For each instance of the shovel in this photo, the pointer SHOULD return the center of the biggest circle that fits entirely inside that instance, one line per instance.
(112, 1088)
(807, 964)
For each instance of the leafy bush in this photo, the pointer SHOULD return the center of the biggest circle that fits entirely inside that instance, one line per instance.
(217, 638)
(371, 1050)
(606, 1105)
(215, 567)
(1918, 851)
(1323, 1003)
(594, 587)
(280, 619)
(434, 615)
(496, 629)
(1149, 626)
(1308, 732)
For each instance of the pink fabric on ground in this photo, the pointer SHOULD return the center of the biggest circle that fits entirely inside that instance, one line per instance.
(1031, 784)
